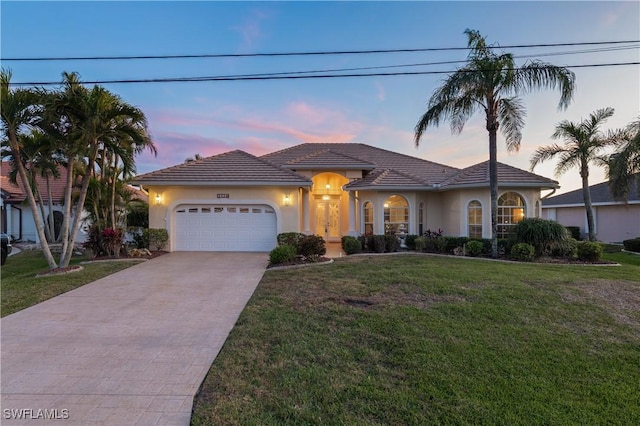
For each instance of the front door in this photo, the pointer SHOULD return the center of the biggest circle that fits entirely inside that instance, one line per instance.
(328, 219)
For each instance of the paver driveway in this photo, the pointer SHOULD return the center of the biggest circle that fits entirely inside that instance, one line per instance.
(130, 348)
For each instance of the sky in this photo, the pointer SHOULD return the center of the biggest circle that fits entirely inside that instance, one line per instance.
(263, 116)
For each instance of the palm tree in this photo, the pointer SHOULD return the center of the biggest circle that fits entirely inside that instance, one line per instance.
(20, 111)
(624, 164)
(583, 145)
(491, 83)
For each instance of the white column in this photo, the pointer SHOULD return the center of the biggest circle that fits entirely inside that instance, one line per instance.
(306, 217)
(353, 206)
(378, 215)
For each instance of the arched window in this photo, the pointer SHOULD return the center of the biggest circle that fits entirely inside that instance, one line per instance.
(511, 210)
(368, 218)
(474, 215)
(421, 219)
(396, 216)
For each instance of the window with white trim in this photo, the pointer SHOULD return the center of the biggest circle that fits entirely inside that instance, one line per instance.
(511, 210)
(368, 218)
(474, 219)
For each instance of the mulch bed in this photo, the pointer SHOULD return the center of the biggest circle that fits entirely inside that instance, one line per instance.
(153, 255)
(300, 261)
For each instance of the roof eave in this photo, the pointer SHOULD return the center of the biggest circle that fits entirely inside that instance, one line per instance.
(581, 205)
(503, 185)
(220, 183)
(390, 188)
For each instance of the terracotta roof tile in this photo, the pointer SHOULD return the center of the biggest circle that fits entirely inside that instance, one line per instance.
(386, 178)
(234, 167)
(16, 193)
(327, 158)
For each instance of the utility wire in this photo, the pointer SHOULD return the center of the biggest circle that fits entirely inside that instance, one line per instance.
(335, 52)
(293, 77)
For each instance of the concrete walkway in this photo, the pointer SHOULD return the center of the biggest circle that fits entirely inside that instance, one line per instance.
(128, 349)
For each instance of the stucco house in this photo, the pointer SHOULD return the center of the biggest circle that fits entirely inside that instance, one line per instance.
(236, 201)
(614, 221)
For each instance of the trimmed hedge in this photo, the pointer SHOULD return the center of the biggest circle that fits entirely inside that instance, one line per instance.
(589, 251)
(523, 252)
(282, 254)
(632, 245)
(574, 231)
(473, 248)
(351, 245)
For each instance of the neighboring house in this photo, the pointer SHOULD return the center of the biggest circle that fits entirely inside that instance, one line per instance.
(614, 221)
(17, 218)
(239, 202)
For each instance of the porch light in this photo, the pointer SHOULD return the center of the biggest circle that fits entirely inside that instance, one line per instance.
(158, 199)
(287, 200)
(386, 205)
(327, 186)
(325, 197)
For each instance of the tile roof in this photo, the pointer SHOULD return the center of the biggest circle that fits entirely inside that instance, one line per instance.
(16, 193)
(478, 175)
(231, 168)
(600, 194)
(328, 158)
(426, 171)
(386, 178)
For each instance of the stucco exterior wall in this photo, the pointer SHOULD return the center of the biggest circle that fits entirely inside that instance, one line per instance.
(161, 215)
(21, 216)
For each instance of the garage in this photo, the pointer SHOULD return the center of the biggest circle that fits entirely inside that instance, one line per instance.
(224, 228)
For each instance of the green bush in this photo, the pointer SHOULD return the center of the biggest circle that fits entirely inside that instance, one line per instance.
(435, 244)
(504, 245)
(542, 234)
(311, 246)
(523, 252)
(574, 231)
(157, 238)
(473, 248)
(290, 238)
(589, 251)
(282, 254)
(391, 243)
(421, 243)
(567, 249)
(410, 241)
(378, 243)
(632, 245)
(451, 243)
(351, 245)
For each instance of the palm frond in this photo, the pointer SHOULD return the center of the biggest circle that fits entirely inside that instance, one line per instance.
(536, 75)
(511, 114)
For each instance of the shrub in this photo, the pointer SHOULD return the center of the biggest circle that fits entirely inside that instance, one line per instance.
(311, 246)
(141, 240)
(523, 252)
(589, 251)
(421, 243)
(157, 237)
(410, 241)
(540, 233)
(290, 238)
(504, 245)
(391, 243)
(451, 243)
(435, 244)
(378, 243)
(281, 254)
(567, 249)
(632, 245)
(104, 242)
(94, 243)
(574, 231)
(351, 245)
(473, 248)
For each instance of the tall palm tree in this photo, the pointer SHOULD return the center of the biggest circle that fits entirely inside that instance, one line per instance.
(583, 145)
(624, 164)
(20, 111)
(491, 83)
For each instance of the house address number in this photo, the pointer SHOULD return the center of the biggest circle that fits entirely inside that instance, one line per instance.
(223, 195)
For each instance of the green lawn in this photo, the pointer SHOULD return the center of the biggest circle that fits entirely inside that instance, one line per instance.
(431, 340)
(19, 287)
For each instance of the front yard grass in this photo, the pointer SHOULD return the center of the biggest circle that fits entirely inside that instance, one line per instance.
(19, 287)
(431, 340)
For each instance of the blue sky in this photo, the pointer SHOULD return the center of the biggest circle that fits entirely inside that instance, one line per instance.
(262, 116)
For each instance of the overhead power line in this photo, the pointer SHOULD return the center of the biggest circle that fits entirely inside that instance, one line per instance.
(308, 53)
(249, 77)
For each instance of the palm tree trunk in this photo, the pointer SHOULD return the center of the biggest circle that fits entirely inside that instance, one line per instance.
(586, 196)
(64, 229)
(492, 127)
(114, 179)
(15, 148)
(51, 221)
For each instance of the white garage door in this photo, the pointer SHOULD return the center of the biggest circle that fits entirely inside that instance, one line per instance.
(224, 228)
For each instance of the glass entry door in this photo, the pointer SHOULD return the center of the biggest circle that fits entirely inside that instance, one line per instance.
(328, 219)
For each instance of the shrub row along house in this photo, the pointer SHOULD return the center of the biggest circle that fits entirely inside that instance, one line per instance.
(239, 202)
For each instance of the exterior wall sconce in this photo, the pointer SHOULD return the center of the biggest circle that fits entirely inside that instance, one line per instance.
(327, 186)
(325, 197)
(158, 199)
(287, 200)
